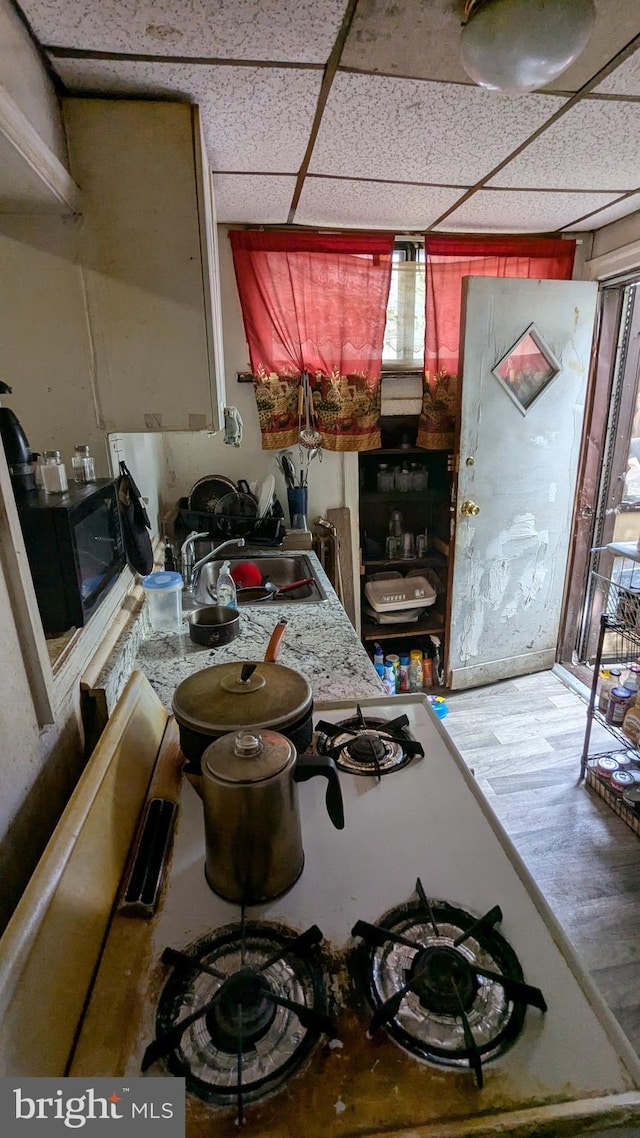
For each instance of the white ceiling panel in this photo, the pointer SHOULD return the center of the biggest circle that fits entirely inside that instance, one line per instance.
(612, 213)
(253, 198)
(421, 40)
(595, 146)
(418, 131)
(301, 31)
(512, 211)
(625, 80)
(255, 118)
(381, 205)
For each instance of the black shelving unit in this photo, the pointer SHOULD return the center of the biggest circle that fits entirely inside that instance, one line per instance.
(619, 643)
(423, 509)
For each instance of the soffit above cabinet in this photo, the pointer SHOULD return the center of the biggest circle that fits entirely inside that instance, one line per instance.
(296, 96)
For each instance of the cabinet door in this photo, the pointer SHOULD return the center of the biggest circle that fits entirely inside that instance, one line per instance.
(210, 266)
(148, 287)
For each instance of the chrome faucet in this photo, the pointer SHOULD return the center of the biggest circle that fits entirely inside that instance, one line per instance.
(191, 571)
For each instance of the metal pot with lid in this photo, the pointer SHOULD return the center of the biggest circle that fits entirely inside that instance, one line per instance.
(253, 834)
(243, 694)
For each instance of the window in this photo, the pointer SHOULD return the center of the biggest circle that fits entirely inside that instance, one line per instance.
(404, 333)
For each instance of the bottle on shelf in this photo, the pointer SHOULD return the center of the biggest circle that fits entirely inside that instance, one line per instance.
(389, 681)
(630, 681)
(378, 660)
(404, 671)
(393, 659)
(415, 670)
(610, 680)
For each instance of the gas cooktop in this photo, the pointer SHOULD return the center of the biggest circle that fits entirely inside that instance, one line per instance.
(401, 982)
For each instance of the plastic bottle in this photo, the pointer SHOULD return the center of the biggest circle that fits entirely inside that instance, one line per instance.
(415, 670)
(389, 680)
(378, 655)
(404, 672)
(226, 588)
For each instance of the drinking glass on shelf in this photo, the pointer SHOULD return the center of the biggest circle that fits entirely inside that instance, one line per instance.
(392, 547)
(407, 546)
(396, 523)
(421, 544)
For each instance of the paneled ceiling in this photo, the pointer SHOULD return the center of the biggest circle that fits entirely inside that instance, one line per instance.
(358, 113)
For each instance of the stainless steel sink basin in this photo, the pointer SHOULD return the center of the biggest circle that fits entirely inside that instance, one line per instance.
(282, 570)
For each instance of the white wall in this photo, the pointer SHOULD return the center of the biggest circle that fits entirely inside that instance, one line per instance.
(189, 457)
(25, 80)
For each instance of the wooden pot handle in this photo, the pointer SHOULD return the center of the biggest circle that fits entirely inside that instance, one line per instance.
(273, 647)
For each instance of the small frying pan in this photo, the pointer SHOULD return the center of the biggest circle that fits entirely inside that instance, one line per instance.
(270, 592)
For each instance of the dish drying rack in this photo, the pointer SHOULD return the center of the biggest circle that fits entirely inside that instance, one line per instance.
(267, 531)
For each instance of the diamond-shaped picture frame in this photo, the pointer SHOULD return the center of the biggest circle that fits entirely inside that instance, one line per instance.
(527, 369)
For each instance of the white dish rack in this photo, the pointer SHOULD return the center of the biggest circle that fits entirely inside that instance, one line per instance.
(400, 595)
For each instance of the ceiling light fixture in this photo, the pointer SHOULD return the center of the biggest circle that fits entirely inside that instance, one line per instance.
(522, 45)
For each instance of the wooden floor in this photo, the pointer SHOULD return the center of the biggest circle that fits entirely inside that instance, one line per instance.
(523, 739)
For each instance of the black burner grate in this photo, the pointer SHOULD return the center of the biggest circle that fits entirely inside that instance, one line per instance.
(367, 745)
(241, 1011)
(447, 986)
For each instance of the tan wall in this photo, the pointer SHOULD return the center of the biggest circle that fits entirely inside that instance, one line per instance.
(189, 457)
(26, 81)
(617, 235)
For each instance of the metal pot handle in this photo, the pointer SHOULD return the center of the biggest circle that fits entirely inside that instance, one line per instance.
(309, 765)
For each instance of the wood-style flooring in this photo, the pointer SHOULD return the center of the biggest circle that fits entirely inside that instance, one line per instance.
(523, 739)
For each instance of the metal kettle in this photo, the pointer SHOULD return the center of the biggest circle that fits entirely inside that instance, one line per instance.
(253, 835)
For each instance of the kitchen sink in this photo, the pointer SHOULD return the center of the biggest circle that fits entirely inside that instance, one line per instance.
(278, 570)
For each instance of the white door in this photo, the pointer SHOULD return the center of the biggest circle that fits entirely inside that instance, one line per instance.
(524, 364)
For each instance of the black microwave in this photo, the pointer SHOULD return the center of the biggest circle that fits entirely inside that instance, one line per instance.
(75, 550)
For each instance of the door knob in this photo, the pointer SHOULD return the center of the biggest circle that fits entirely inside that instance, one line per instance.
(469, 509)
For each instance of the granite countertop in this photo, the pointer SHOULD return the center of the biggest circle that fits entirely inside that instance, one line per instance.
(320, 642)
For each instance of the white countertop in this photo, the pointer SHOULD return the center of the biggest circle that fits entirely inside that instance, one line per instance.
(320, 642)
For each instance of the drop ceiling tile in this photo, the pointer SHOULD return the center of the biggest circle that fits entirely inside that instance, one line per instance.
(377, 205)
(428, 132)
(617, 22)
(513, 211)
(261, 198)
(611, 213)
(411, 39)
(255, 118)
(625, 80)
(421, 40)
(301, 31)
(593, 147)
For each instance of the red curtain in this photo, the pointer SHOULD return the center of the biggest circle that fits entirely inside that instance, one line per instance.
(448, 260)
(317, 303)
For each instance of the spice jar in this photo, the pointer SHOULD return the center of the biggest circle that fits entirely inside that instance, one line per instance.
(53, 473)
(82, 464)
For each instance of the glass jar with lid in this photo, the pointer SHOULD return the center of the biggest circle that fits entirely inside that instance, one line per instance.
(83, 465)
(53, 473)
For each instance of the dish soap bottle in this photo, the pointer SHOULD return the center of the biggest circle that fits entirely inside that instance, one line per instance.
(226, 588)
